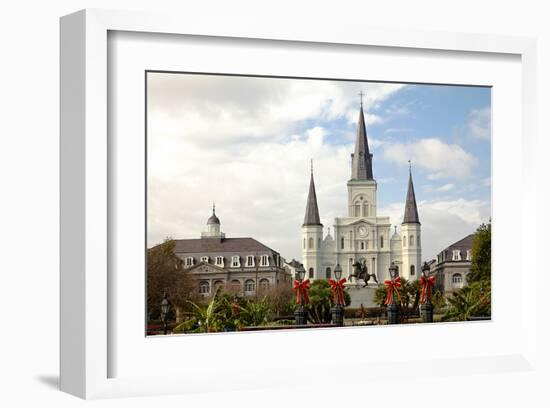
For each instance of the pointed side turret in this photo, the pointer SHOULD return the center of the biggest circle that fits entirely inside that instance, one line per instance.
(411, 211)
(411, 230)
(312, 209)
(312, 234)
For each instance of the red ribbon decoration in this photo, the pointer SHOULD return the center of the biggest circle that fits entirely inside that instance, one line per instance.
(427, 283)
(391, 285)
(301, 289)
(338, 290)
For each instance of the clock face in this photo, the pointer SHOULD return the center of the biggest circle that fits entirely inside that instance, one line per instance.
(363, 231)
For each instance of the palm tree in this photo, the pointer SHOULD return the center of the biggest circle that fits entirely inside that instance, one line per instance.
(472, 300)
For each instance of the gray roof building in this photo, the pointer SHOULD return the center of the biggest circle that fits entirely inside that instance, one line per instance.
(241, 265)
(452, 265)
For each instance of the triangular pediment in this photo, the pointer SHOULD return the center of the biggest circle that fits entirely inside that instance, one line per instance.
(204, 267)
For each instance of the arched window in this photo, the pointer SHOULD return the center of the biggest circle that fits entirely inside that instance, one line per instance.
(318, 243)
(310, 273)
(418, 240)
(362, 245)
(310, 243)
(366, 209)
(357, 210)
(404, 240)
(236, 285)
(204, 287)
(249, 285)
(411, 240)
(327, 273)
(342, 242)
(381, 241)
(458, 281)
(264, 284)
(217, 284)
(412, 270)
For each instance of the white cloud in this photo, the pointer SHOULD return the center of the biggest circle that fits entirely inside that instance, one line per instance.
(226, 110)
(441, 189)
(441, 159)
(479, 123)
(236, 142)
(444, 221)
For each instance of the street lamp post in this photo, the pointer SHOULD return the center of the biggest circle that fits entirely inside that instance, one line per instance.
(427, 308)
(300, 314)
(392, 309)
(164, 309)
(337, 310)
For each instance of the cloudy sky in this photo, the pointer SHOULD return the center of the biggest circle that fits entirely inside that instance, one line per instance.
(246, 144)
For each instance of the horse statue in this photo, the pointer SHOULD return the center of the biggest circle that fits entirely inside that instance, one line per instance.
(360, 271)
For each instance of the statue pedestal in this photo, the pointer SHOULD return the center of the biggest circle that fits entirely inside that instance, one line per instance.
(360, 294)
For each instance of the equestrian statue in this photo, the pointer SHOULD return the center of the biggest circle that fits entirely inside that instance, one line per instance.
(360, 271)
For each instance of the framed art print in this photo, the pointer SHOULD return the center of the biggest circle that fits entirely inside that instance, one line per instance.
(232, 196)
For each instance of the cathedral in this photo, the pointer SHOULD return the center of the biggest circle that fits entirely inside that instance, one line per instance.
(362, 236)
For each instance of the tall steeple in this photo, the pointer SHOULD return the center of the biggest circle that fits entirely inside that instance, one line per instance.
(312, 210)
(361, 159)
(411, 212)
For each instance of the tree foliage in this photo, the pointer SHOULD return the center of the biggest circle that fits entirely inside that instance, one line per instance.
(321, 300)
(475, 298)
(481, 255)
(472, 300)
(225, 312)
(409, 293)
(165, 273)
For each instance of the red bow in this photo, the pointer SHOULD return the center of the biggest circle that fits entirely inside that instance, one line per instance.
(301, 288)
(391, 285)
(427, 283)
(338, 290)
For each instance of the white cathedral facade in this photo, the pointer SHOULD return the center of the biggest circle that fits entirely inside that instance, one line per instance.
(362, 236)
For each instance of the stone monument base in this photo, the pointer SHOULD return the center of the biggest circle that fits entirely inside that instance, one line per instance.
(361, 294)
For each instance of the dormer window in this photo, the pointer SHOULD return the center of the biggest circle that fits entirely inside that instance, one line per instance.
(468, 255)
(264, 260)
(250, 260)
(189, 261)
(456, 255)
(219, 260)
(204, 259)
(235, 261)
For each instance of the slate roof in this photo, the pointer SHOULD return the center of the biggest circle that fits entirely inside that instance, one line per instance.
(361, 159)
(462, 245)
(411, 212)
(216, 245)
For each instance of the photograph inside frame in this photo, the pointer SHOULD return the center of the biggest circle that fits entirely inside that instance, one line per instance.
(289, 203)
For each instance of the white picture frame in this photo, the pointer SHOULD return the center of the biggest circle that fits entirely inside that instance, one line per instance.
(85, 253)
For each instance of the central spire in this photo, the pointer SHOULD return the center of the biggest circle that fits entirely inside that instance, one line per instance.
(312, 210)
(361, 159)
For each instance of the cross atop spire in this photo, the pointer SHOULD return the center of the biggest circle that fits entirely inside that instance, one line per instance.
(311, 167)
(214, 208)
(361, 159)
(361, 96)
(410, 167)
